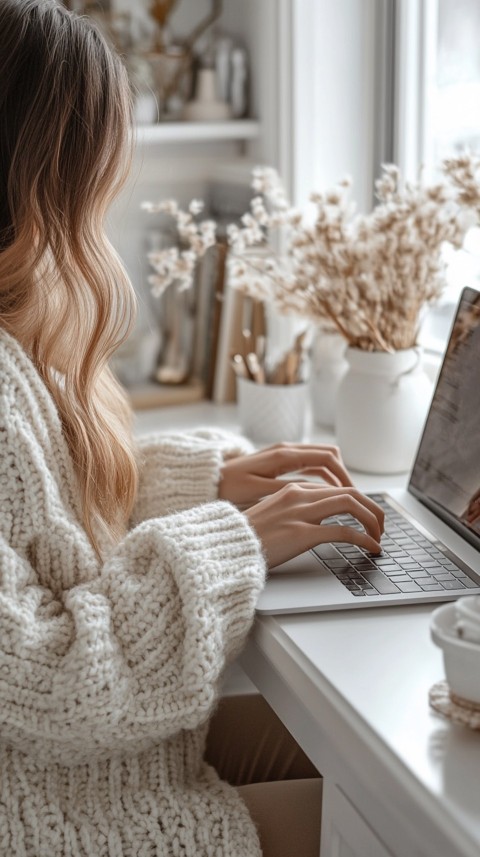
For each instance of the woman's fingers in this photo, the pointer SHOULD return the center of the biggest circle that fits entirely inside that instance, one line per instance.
(343, 504)
(321, 473)
(289, 458)
(350, 535)
(342, 501)
(246, 479)
(291, 520)
(267, 485)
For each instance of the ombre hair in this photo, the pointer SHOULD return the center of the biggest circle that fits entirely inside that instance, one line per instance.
(65, 115)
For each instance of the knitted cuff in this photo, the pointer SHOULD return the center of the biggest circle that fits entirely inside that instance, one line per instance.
(220, 588)
(178, 472)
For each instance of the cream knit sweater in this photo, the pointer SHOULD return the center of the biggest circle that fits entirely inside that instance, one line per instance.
(108, 673)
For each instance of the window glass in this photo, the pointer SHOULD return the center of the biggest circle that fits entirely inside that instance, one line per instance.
(451, 120)
(454, 100)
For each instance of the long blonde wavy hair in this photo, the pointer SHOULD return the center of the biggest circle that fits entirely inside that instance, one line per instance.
(65, 115)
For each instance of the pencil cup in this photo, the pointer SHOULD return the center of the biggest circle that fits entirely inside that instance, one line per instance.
(270, 413)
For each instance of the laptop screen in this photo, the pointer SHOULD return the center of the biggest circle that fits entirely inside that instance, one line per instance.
(446, 473)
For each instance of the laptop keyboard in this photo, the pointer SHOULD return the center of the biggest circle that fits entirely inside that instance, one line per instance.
(410, 561)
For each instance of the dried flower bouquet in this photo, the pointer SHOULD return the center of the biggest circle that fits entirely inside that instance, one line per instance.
(366, 275)
(369, 276)
(177, 264)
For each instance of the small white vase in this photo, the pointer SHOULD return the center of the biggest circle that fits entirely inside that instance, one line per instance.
(327, 368)
(206, 107)
(381, 408)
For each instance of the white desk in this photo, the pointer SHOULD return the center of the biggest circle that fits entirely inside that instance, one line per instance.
(352, 688)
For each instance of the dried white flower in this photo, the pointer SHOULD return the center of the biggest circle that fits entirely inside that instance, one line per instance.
(370, 276)
(196, 206)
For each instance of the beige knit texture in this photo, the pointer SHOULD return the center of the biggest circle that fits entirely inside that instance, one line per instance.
(109, 672)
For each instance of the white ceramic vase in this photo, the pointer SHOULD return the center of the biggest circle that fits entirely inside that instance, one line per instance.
(382, 403)
(327, 368)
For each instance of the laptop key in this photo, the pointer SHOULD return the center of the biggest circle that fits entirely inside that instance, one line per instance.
(452, 584)
(410, 566)
(381, 583)
(361, 568)
(336, 564)
(430, 587)
(393, 574)
(326, 551)
(411, 586)
(392, 566)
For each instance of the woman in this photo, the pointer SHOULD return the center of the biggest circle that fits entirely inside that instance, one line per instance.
(128, 574)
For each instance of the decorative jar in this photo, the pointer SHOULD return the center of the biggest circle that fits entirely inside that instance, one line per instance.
(382, 402)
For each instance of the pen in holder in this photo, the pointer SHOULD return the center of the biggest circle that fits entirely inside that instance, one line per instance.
(271, 404)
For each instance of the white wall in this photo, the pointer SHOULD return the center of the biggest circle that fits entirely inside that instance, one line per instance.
(336, 92)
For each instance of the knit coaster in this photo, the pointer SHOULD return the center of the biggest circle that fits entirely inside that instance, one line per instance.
(454, 707)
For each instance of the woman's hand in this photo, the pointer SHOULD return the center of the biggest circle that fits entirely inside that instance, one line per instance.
(290, 521)
(248, 478)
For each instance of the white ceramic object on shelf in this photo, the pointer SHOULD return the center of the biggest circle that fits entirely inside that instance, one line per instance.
(206, 107)
(145, 110)
(382, 403)
(461, 657)
(269, 413)
(327, 368)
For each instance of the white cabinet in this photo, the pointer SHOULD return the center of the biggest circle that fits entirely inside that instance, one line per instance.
(345, 833)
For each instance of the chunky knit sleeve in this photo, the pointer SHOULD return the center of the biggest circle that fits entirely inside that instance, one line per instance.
(181, 471)
(97, 656)
(139, 651)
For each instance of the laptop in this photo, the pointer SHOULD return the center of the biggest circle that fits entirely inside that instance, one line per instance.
(431, 544)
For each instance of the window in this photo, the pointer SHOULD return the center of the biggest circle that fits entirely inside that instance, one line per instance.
(437, 113)
(452, 105)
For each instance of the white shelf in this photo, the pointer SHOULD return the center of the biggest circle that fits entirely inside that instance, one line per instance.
(192, 132)
(152, 395)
